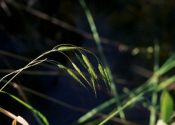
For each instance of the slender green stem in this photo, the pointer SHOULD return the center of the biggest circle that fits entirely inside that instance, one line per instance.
(127, 104)
(154, 97)
(100, 49)
(34, 62)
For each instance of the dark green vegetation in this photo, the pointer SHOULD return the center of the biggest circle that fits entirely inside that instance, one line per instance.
(141, 87)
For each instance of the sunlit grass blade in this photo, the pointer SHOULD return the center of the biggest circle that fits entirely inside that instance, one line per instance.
(100, 49)
(122, 107)
(147, 87)
(154, 98)
(139, 96)
(95, 111)
(167, 82)
(167, 105)
(39, 114)
(168, 65)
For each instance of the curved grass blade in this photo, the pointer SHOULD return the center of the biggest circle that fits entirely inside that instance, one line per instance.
(154, 98)
(39, 114)
(95, 111)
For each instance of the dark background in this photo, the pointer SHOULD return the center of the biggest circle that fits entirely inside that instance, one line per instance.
(30, 27)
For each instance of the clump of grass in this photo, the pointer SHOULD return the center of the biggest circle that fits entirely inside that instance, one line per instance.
(96, 36)
(147, 88)
(75, 72)
(134, 96)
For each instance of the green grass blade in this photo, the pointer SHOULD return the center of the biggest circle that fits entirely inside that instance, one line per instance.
(167, 82)
(39, 114)
(118, 110)
(96, 110)
(167, 105)
(91, 21)
(154, 98)
(100, 49)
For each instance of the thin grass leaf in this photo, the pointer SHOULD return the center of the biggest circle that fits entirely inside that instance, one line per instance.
(170, 59)
(124, 106)
(39, 114)
(154, 98)
(166, 108)
(95, 111)
(165, 68)
(164, 84)
(91, 22)
(96, 37)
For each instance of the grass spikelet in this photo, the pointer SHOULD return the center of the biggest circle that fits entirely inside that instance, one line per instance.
(80, 73)
(80, 60)
(93, 84)
(61, 66)
(66, 48)
(89, 66)
(71, 73)
(106, 74)
(102, 73)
